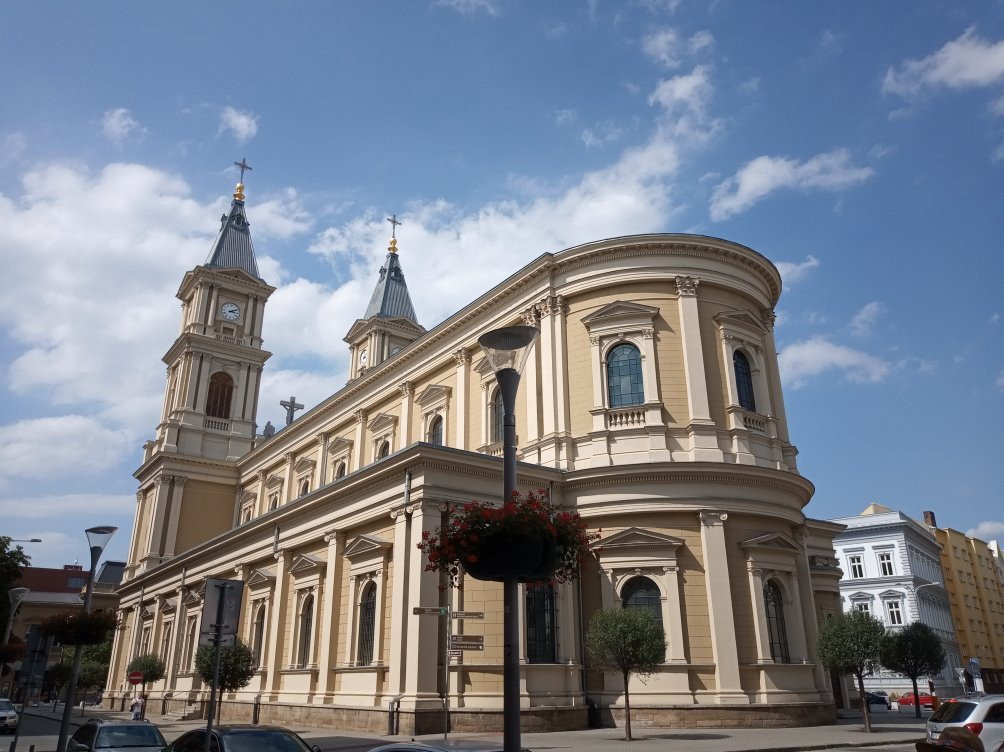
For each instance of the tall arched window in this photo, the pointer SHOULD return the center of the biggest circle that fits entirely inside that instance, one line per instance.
(776, 631)
(304, 487)
(624, 383)
(221, 389)
(190, 645)
(306, 630)
(541, 633)
(340, 472)
(384, 450)
(641, 592)
(436, 431)
(258, 635)
(497, 416)
(367, 625)
(744, 381)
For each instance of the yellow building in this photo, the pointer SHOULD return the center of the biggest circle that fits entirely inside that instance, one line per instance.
(974, 589)
(651, 404)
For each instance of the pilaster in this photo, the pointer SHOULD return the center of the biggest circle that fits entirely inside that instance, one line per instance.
(463, 360)
(407, 390)
(277, 624)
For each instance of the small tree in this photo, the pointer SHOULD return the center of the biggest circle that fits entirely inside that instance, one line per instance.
(849, 644)
(913, 651)
(237, 666)
(152, 668)
(628, 640)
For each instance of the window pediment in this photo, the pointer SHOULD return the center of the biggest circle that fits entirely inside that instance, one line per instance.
(261, 577)
(637, 549)
(338, 445)
(859, 596)
(365, 545)
(888, 595)
(635, 537)
(306, 564)
(274, 482)
(433, 395)
(248, 497)
(741, 324)
(621, 315)
(778, 542)
(192, 597)
(484, 369)
(304, 465)
(382, 423)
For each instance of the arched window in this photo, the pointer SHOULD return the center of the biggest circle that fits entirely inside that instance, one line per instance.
(340, 472)
(541, 633)
(221, 389)
(641, 592)
(190, 645)
(776, 632)
(367, 625)
(304, 487)
(306, 630)
(497, 416)
(273, 501)
(165, 643)
(384, 450)
(258, 635)
(624, 384)
(744, 381)
(436, 431)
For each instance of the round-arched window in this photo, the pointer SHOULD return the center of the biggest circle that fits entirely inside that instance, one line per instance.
(642, 593)
(624, 382)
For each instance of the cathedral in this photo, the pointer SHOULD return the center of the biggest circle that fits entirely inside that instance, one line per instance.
(651, 404)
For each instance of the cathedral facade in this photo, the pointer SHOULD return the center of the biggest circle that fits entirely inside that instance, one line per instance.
(651, 404)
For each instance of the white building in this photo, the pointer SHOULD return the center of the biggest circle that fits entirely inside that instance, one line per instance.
(892, 570)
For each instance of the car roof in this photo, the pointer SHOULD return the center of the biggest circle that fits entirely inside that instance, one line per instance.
(237, 728)
(487, 745)
(118, 722)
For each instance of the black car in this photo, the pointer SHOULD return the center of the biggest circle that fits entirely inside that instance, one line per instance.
(242, 739)
(876, 699)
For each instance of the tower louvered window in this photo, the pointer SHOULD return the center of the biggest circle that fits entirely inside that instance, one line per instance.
(221, 389)
(367, 625)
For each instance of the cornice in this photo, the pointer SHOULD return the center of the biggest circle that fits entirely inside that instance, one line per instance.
(696, 472)
(190, 342)
(240, 279)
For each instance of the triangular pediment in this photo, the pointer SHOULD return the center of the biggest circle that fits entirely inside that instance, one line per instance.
(621, 312)
(248, 497)
(773, 541)
(484, 369)
(364, 545)
(192, 597)
(432, 394)
(274, 481)
(261, 576)
(167, 607)
(305, 563)
(860, 596)
(733, 320)
(888, 594)
(635, 537)
(382, 422)
(339, 444)
(304, 465)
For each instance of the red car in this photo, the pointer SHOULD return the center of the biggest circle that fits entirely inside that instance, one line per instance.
(907, 700)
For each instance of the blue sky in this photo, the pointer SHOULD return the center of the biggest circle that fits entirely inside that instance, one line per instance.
(860, 146)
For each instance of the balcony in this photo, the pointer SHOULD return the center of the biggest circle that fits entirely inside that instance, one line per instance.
(217, 424)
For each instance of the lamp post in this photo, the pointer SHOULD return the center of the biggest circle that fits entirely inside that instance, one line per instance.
(97, 539)
(507, 350)
(16, 595)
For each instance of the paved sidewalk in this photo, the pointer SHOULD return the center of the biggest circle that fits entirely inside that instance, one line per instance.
(887, 729)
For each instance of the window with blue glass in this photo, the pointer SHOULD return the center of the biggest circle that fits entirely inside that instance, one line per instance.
(541, 631)
(642, 593)
(744, 381)
(498, 417)
(624, 384)
(776, 631)
(367, 625)
(436, 431)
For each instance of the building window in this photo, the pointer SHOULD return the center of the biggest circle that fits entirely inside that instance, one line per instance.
(304, 487)
(306, 630)
(273, 501)
(624, 383)
(221, 389)
(497, 417)
(340, 472)
(895, 614)
(857, 567)
(258, 635)
(165, 644)
(541, 643)
(744, 381)
(863, 606)
(885, 564)
(641, 592)
(367, 625)
(190, 645)
(436, 431)
(776, 632)
(384, 450)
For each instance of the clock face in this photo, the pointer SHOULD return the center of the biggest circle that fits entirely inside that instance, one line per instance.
(364, 356)
(395, 351)
(230, 311)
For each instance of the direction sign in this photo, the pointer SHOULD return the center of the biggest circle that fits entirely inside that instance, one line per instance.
(468, 614)
(429, 610)
(467, 642)
(135, 677)
(456, 653)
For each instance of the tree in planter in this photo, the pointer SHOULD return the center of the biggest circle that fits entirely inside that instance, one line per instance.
(849, 644)
(628, 640)
(153, 670)
(59, 675)
(237, 665)
(914, 651)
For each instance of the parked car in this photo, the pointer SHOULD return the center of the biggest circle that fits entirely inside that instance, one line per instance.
(99, 734)
(908, 700)
(8, 716)
(242, 739)
(984, 716)
(878, 698)
(431, 746)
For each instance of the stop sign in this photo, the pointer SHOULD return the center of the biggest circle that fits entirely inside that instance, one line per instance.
(135, 677)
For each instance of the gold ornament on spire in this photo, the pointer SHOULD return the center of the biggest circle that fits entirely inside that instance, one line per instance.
(239, 192)
(392, 248)
(394, 222)
(243, 166)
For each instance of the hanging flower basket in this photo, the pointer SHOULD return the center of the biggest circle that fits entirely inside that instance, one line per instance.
(525, 538)
(78, 628)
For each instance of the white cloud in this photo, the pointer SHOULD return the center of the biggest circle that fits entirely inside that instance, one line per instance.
(39, 507)
(281, 216)
(804, 360)
(864, 320)
(666, 47)
(1000, 379)
(750, 86)
(119, 125)
(792, 272)
(60, 446)
(241, 124)
(964, 63)
(565, 117)
(994, 318)
(602, 134)
(987, 530)
(471, 7)
(12, 146)
(997, 107)
(758, 178)
(830, 43)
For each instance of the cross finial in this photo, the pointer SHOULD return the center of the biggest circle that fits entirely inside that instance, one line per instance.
(394, 222)
(244, 167)
(291, 407)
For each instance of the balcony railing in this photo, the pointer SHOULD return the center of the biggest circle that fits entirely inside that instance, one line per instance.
(754, 422)
(625, 417)
(218, 424)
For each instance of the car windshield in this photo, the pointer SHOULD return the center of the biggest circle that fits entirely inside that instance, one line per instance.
(263, 740)
(140, 735)
(953, 712)
(5, 705)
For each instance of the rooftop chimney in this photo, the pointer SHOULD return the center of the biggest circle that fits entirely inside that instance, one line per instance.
(929, 519)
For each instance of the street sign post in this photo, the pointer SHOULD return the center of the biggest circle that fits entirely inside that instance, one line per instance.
(135, 677)
(467, 642)
(430, 610)
(468, 614)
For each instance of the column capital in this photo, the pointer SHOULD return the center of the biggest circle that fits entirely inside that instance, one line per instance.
(406, 388)
(713, 519)
(180, 480)
(462, 357)
(687, 285)
(360, 416)
(768, 317)
(530, 316)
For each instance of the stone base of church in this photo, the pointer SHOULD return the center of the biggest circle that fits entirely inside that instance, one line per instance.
(720, 716)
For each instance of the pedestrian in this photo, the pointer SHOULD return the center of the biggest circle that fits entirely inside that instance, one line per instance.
(137, 707)
(957, 738)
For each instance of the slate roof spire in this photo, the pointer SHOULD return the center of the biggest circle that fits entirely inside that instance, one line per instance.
(390, 296)
(233, 246)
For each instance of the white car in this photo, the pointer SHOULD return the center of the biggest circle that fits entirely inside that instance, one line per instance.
(984, 716)
(8, 716)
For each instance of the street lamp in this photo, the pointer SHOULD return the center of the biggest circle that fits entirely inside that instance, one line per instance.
(507, 350)
(25, 540)
(97, 539)
(16, 595)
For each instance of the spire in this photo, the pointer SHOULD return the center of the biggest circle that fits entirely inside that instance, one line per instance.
(390, 296)
(233, 246)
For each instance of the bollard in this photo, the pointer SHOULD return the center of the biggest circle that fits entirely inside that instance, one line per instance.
(13, 745)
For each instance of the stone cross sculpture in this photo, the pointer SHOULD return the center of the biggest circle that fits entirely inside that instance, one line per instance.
(291, 407)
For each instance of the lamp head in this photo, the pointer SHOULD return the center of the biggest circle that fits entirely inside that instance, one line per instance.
(508, 348)
(16, 595)
(98, 537)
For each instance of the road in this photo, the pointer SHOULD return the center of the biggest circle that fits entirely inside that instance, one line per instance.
(35, 730)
